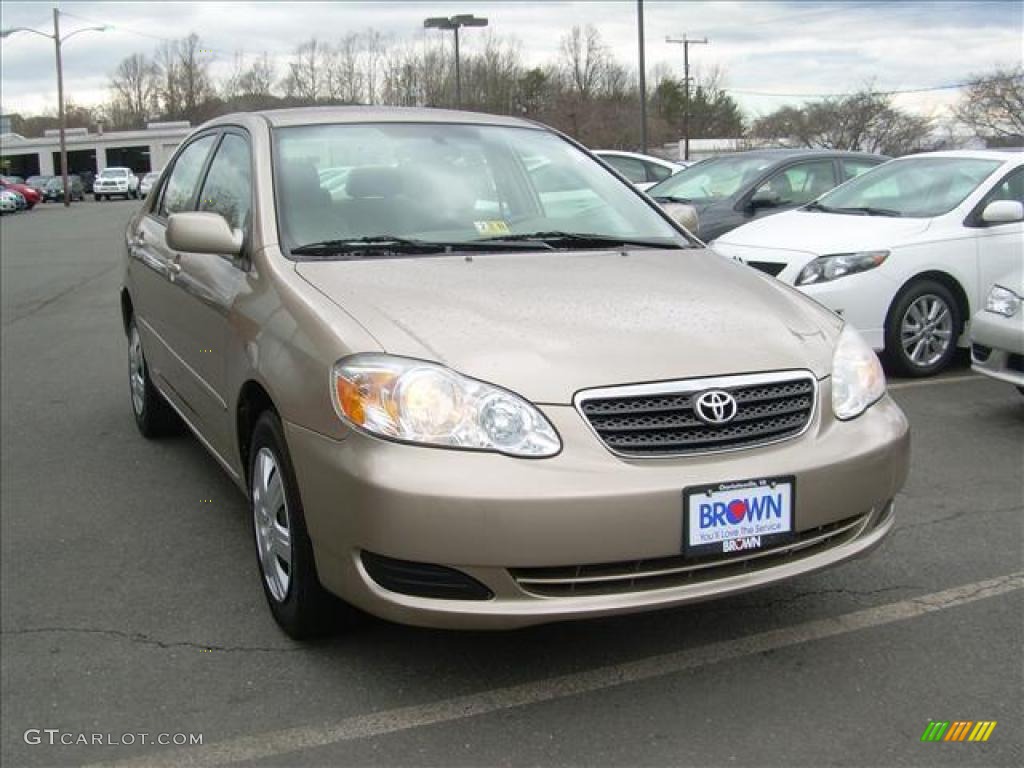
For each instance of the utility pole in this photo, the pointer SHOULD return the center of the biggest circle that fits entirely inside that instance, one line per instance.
(60, 109)
(686, 43)
(643, 79)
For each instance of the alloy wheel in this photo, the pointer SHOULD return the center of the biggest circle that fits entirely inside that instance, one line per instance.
(926, 330)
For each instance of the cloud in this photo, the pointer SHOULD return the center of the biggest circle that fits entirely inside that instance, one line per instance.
(769, 47)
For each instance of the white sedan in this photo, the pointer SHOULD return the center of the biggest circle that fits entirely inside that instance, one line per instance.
(905, 252)
(8, 201)
(643, 171)
(997, 332)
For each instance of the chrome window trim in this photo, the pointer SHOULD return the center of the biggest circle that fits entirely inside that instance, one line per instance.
(687, 386)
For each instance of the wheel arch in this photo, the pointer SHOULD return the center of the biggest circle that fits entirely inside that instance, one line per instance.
(127, 309)
(253, 400)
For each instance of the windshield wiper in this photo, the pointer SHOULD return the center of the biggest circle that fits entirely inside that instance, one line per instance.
(392, 244)
(672, 199)
(582, 239)
(868, 210)
(816, 206)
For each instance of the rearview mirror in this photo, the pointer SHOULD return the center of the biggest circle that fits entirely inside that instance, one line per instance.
(203, 232)
(1003, 212)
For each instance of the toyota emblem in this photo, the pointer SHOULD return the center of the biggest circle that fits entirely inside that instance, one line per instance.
(715, 407)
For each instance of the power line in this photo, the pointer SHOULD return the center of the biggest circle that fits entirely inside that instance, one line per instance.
(892, 92)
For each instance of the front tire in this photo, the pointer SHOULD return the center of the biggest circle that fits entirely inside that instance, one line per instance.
(153, 416)
(284, 552)
(922, 329)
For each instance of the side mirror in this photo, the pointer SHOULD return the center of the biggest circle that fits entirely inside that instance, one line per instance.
(1003, 212)
(682, 214)
(763, 198)
(203, 232)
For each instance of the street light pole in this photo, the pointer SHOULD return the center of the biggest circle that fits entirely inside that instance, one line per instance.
(454, 23)
(60, 110)
(686, 43)
(62, 116)
(643, 78)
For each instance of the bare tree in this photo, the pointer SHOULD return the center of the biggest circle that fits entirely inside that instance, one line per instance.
(258, 80)
(306, 76)
(994, 104)
(194, 81)
(865, 121)
(583, 59)
(134, 89)
(169, 81)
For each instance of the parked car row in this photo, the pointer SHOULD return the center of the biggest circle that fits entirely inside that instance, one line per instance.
(111, 182)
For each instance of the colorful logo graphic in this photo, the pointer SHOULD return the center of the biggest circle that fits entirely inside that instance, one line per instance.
(958, 730)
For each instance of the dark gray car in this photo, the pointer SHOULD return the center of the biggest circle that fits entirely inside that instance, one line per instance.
(725, 192)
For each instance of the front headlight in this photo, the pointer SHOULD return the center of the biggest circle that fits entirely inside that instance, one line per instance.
(420, 402)
(857, 377)
(825, 268)
(1002, 301)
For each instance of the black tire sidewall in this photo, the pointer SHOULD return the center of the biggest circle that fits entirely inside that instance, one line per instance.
(893, 345)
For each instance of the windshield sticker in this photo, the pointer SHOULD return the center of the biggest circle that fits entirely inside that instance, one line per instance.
(492, 227)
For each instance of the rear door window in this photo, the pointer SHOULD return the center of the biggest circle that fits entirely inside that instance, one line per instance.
(854, 168)
(800, 183)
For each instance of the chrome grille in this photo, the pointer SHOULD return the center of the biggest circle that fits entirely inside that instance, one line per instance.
(652, 420)
(679, 570)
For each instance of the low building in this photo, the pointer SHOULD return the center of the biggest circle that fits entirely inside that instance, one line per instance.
(90, 152)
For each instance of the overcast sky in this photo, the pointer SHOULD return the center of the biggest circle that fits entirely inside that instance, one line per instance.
(773, 48)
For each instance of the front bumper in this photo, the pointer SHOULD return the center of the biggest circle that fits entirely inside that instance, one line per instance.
(997, 346)
(493, 517)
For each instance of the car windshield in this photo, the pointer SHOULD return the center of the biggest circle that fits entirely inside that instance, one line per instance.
(114, 173)
(916, 187)
(714, 179)
(459, 185)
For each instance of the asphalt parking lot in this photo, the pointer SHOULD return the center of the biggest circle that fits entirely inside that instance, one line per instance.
(131, 602)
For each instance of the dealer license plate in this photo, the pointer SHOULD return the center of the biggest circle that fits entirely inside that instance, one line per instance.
(737, 517)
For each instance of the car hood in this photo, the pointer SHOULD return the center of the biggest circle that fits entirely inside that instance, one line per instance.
(824, 233)
(548, 325)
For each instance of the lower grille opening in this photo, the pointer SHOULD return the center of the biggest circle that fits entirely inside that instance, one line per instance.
(1015, 363)
(771, 267)
(423, 579)
(679, 570)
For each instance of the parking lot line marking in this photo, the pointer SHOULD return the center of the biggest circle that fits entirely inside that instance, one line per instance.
(933, 382)
(281, 742)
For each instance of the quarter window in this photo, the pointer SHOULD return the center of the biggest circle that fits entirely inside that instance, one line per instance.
(180, 189)
(629, 167)
(228, 186)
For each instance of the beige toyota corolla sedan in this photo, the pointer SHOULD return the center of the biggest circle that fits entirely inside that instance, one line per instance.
(469, 377)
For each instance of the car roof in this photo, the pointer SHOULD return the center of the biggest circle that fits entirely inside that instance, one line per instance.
(637, 155)
(363, 114)
(978, 154)
(785, 153)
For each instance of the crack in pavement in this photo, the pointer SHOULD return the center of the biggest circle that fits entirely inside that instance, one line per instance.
(43, 303)
(144, 639)
(955, 516)
(857, 593)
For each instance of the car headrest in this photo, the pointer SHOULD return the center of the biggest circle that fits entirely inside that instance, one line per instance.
(374, 181)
